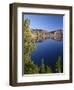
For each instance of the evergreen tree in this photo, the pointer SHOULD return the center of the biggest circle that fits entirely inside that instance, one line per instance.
(42, 67)
(29, 47)
(29, 44)
(30, 68)
(58, 65)
(48, 69)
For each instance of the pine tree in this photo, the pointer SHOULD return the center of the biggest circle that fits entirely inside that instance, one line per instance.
(58, 65)
(48, 69)
(29, 47)
(42, 68)
(28, 42)
(30, 68)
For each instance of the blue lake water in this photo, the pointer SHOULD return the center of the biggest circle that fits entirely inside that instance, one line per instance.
(49, 50)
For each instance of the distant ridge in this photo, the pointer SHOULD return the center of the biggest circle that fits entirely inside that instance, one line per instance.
(46, 30)
(41, 34)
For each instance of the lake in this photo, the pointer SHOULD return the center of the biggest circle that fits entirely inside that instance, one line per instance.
(49, 50)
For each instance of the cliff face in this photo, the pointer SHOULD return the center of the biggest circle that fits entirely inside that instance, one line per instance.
(39, 34)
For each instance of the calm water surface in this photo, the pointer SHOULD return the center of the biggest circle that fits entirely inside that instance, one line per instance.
(49, 50)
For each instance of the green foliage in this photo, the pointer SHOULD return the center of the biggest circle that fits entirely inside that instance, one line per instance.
(48, 69)
(30, 68)
(29, 47)
(29, 44)
(58, 65)
(44, 68)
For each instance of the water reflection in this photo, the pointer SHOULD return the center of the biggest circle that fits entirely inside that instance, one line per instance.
(39, 39)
